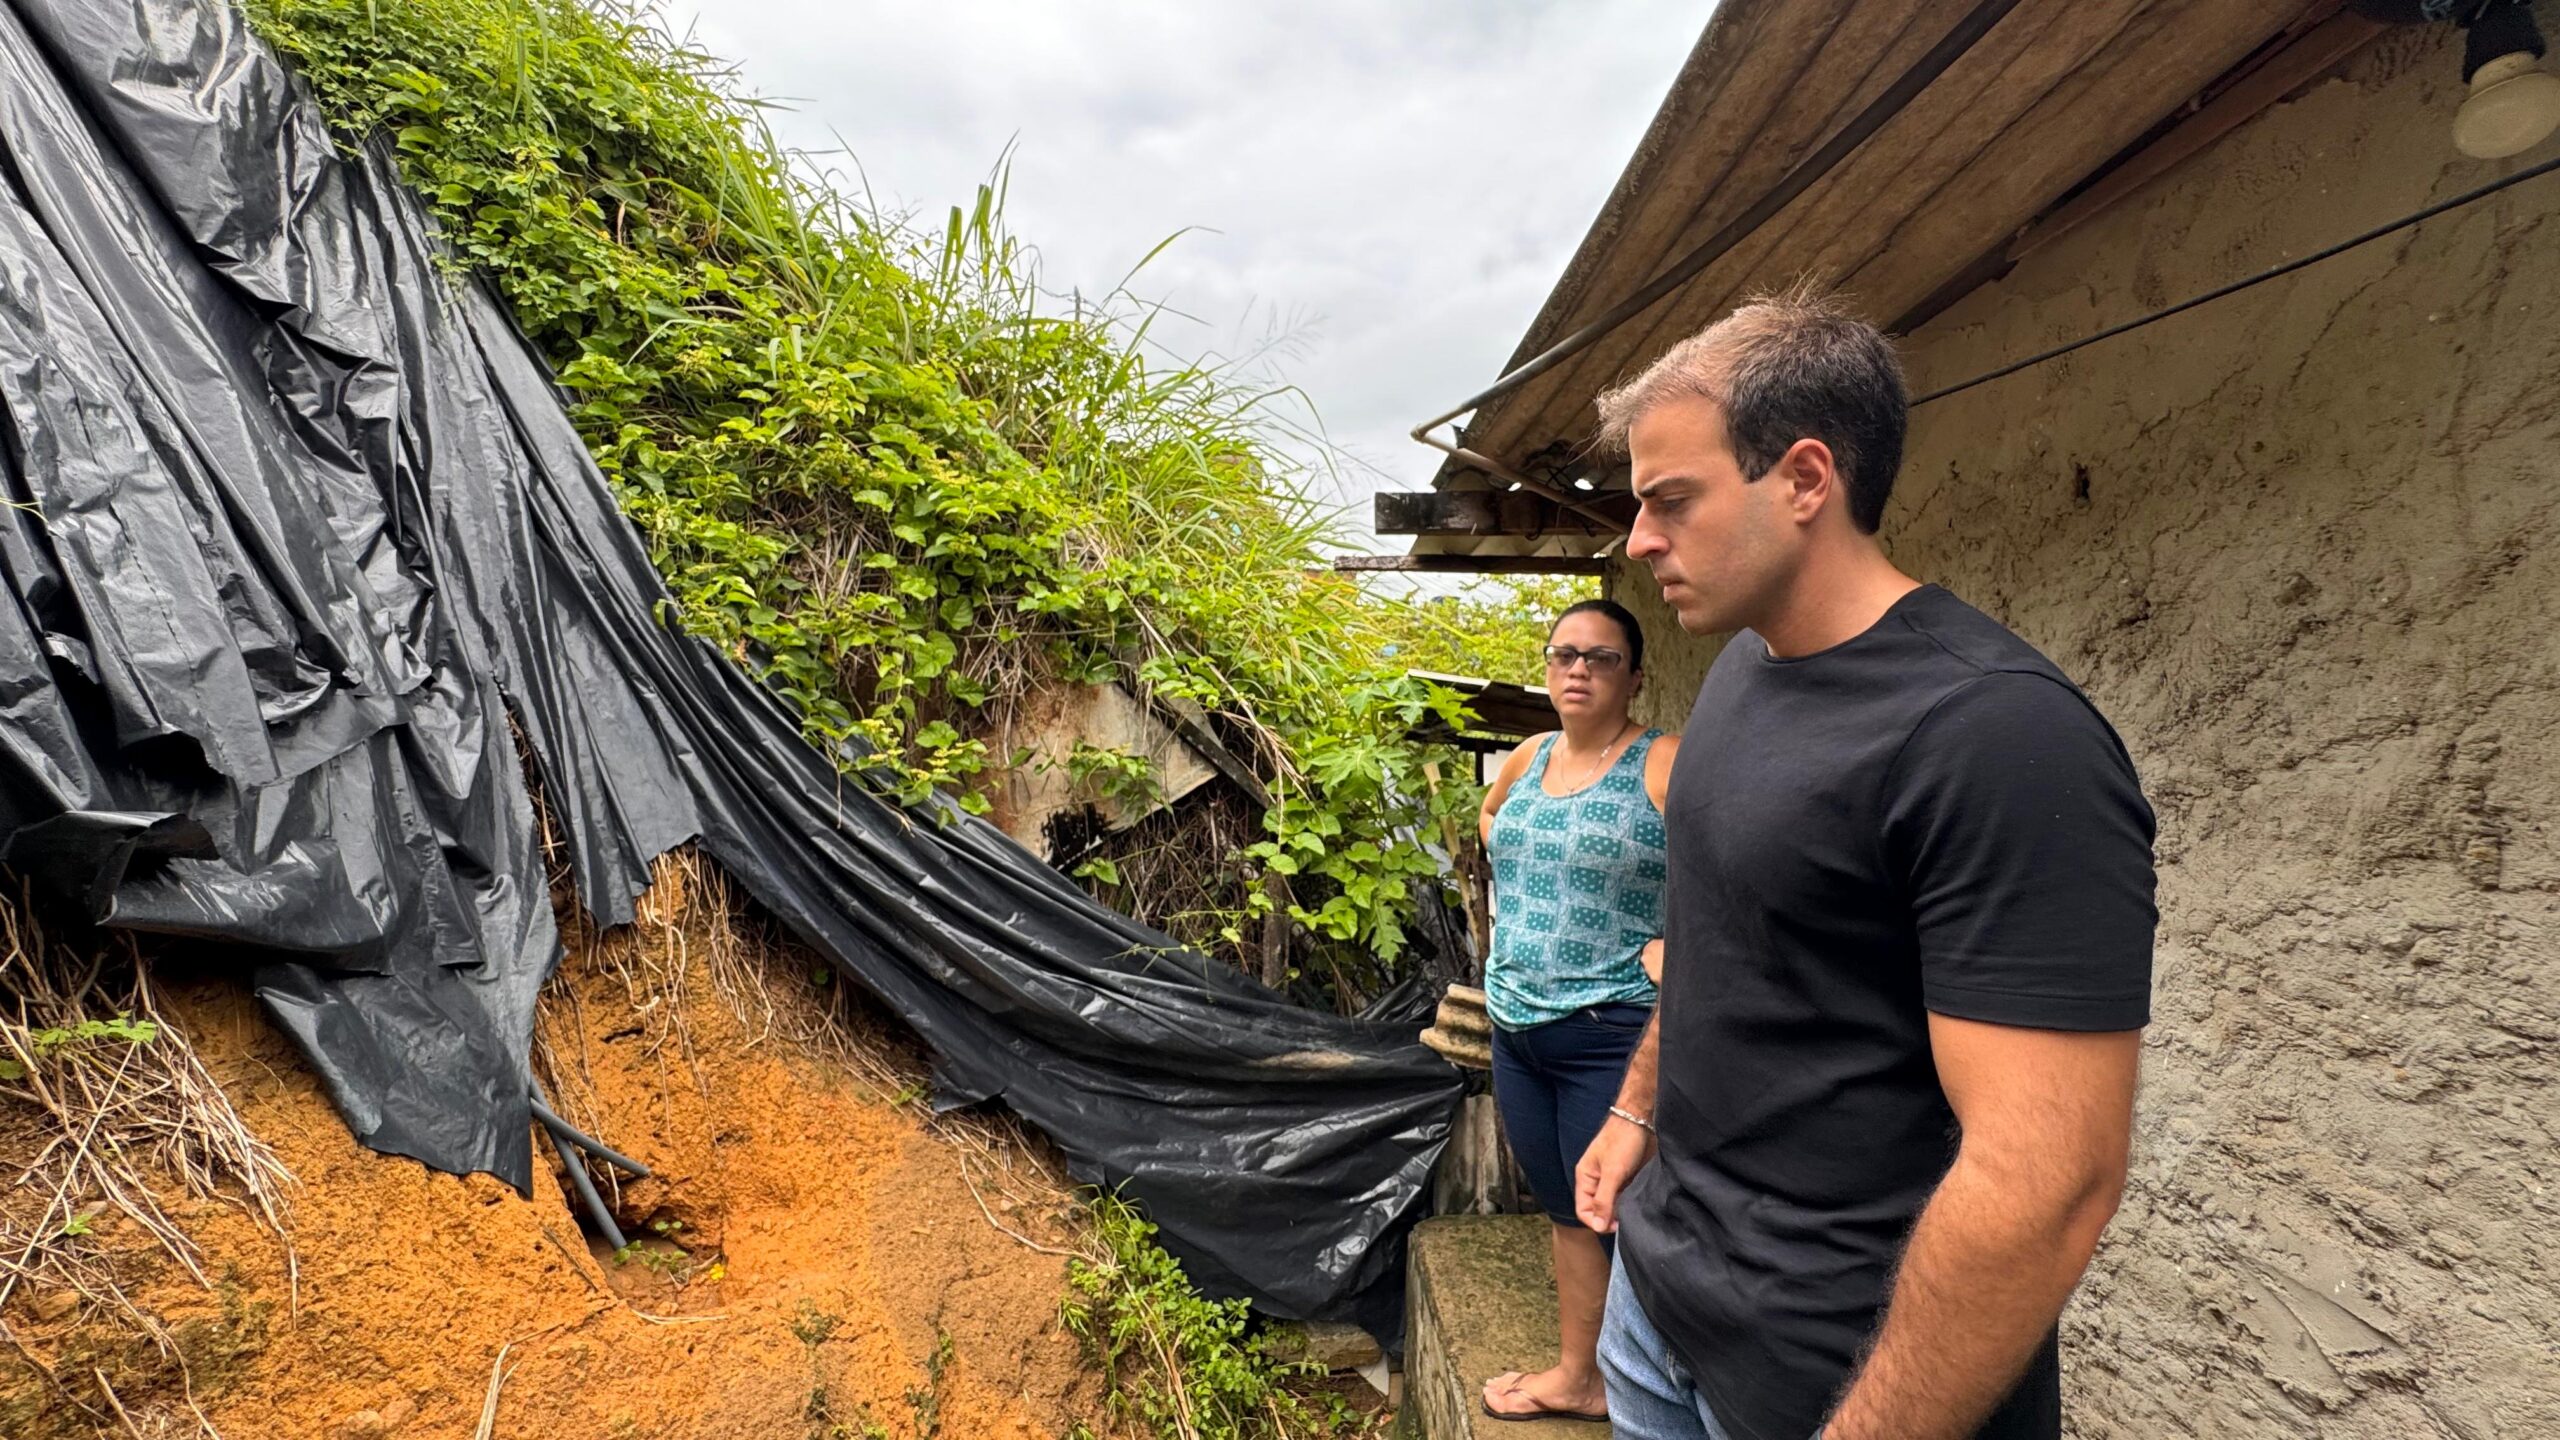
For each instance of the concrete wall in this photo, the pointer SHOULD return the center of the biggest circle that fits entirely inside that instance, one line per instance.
(2300, 546)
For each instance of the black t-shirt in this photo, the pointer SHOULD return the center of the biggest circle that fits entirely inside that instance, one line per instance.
(1928, 817)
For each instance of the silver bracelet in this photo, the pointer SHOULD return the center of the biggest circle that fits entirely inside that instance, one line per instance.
(1630, 1117)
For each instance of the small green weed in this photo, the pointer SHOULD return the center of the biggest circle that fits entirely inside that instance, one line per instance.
(45, 1044)
(926, 1400)
(675, 1264)
(1183, 1366)
(1110, 773)
(813, 1327)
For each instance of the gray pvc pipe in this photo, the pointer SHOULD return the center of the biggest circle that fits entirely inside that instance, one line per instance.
(562, 1130)
(585, 1189)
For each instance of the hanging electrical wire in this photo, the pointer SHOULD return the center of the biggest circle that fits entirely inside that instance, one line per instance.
(2456, 202)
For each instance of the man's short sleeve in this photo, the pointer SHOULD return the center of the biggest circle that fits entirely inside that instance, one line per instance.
(2017, 826)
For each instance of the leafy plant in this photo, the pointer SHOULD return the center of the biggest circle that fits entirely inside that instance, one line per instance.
(1184, 1366)
(1107, 772)
(671, 1262)
(1492, 629)
(47, 1043)
(884, 470)
(812, 1326)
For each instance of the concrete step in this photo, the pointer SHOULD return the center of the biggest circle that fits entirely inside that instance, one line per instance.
(1480, 1298)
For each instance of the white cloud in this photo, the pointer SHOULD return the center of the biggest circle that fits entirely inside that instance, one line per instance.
(1399, 183)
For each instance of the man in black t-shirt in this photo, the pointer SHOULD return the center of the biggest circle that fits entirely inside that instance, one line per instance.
(1908, 943)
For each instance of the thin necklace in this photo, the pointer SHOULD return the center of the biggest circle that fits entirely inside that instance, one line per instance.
(1593, 773)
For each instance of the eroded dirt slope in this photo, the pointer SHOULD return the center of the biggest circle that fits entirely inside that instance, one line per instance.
(818, 1261)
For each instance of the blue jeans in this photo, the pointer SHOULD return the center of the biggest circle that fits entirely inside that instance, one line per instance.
(1651, 1396)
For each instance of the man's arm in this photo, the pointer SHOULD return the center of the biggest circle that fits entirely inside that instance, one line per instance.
(1621, 1148)
(2047, 1117)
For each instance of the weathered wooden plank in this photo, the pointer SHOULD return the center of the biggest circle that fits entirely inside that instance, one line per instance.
(1493, 512)
(1473, 564)
(2153, 67)
(1192, 723)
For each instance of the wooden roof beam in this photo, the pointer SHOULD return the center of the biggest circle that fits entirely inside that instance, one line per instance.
(1472, 564)
(1495, 512)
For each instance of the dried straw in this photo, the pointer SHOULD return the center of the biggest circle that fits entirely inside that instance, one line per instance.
(125, 1107)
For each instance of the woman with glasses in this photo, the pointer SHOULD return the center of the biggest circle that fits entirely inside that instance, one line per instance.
(1573, 823)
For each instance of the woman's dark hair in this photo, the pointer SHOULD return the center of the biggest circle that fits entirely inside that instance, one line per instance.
(1618, 614)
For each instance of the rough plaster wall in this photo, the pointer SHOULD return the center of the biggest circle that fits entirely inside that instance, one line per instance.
(2300, 547)
(1675, 665)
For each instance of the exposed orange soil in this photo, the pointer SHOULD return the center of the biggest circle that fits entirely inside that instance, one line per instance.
(818, 1262)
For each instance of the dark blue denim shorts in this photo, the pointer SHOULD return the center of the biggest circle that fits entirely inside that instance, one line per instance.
(1554, 1084)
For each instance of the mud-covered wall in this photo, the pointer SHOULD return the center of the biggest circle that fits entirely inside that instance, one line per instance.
(2300, 546)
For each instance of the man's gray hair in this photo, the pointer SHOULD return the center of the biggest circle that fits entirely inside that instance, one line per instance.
(1789, 366)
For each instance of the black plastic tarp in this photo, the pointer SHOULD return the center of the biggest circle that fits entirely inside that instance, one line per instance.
(298, 522)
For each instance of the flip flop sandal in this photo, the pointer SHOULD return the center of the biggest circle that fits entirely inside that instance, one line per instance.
(1542, 1412)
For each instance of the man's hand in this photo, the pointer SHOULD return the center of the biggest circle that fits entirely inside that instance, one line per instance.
(1616, 1154)
(1650, 957)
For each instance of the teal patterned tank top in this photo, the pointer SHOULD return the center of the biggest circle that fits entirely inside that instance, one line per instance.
(1577, 892)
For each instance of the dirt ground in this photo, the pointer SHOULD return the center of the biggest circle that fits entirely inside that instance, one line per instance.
(813, 1258)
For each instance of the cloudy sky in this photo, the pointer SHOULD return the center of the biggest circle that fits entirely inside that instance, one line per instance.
(1392, 185)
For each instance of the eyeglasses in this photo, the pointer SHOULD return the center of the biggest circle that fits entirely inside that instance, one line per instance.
(1601, 659)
